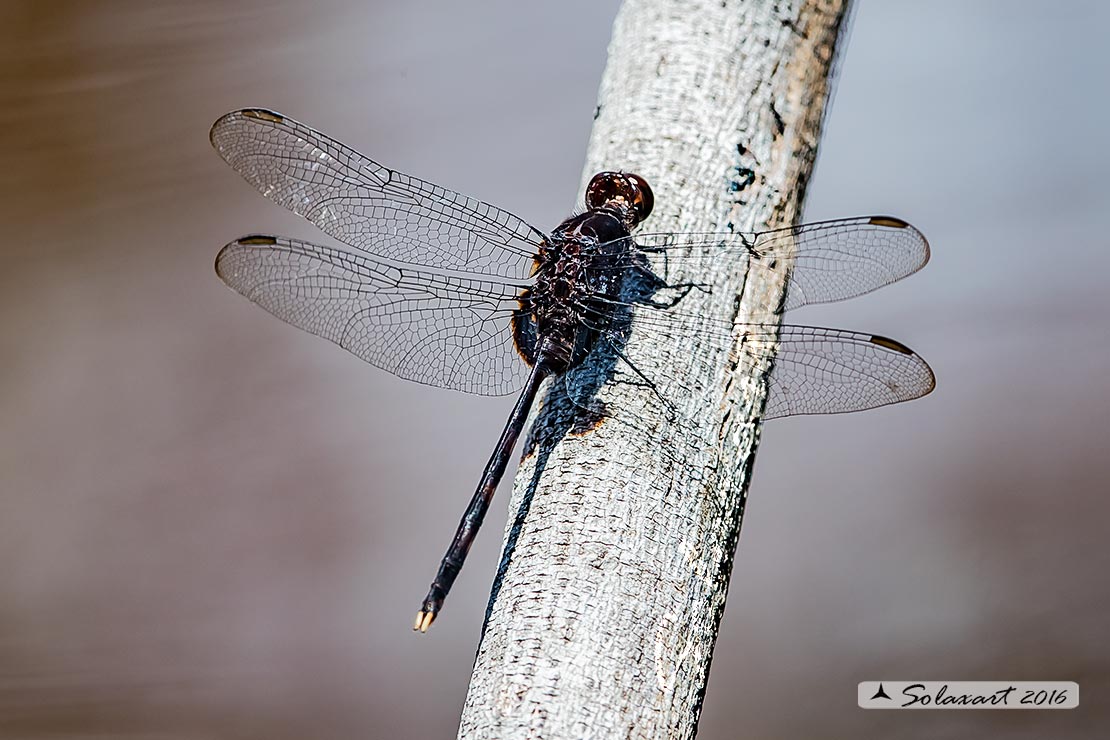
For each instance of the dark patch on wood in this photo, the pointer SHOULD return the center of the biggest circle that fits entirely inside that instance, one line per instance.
(744, 177)
(587, 420)
(780, 125)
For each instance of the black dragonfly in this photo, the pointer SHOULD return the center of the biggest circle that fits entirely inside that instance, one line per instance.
(446, 290)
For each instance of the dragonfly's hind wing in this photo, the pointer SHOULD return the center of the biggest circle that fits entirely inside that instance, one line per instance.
(444, 330)
(814, 370)
(833, 371)
(369, 206)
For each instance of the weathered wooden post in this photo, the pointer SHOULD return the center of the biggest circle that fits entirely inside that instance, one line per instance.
(607, 605)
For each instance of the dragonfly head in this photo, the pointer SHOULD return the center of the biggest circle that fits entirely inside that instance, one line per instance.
(626, 194)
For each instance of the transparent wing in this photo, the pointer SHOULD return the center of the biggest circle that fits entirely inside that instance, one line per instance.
(815, 370)
(831, 371)
(832, 260)
(367, 205)
(442, 330)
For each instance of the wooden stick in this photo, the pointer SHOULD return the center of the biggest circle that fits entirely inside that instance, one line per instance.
(620, 543)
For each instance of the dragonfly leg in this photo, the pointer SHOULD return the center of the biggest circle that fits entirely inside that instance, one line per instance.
(648, 382)
(685, 290)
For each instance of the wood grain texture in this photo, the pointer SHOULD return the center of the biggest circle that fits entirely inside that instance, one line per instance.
(620, 542)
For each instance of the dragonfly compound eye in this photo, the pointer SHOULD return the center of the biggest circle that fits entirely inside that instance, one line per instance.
(644, 199)
(623, 191)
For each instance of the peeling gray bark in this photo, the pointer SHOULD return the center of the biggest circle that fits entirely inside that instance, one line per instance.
(621, 538)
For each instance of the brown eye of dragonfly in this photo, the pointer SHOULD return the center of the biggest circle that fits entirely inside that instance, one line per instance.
(613, 188)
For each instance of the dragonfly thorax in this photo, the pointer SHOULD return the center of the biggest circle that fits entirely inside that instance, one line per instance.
(562, 313)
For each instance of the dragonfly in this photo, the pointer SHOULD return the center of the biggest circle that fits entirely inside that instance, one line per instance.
(443, 289)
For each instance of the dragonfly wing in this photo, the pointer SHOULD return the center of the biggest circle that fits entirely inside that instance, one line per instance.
(444, 330)
(838, 260)
(369, 206)
(814, 370)
(831, 371)
(829, 260)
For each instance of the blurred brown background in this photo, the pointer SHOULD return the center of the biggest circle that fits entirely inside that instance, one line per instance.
(215, 526)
